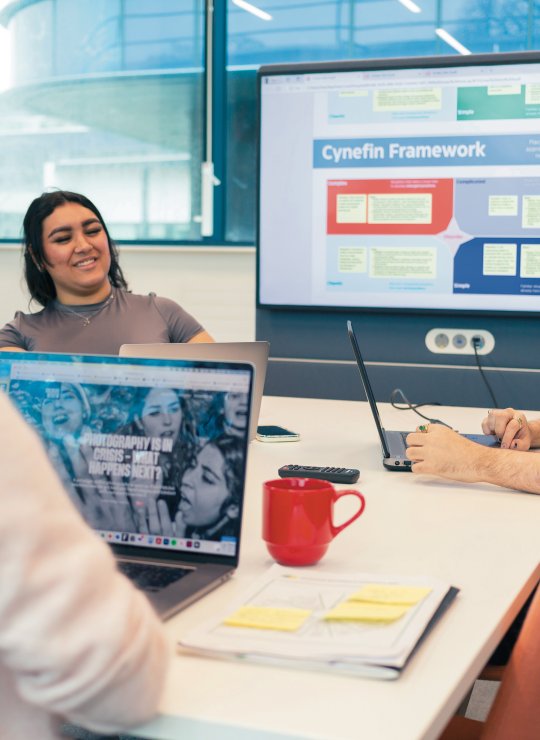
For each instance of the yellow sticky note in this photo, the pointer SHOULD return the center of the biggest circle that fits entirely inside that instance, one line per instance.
(356, 611)
(268, 618)
(383, 593)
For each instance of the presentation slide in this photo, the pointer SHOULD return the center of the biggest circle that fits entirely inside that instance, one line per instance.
(411, 188)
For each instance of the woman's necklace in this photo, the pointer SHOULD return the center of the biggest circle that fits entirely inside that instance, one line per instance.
(86, 319)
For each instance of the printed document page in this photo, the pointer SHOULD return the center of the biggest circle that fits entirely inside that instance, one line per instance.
(292, 614)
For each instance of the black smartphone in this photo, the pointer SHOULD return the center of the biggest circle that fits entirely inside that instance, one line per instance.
(276, 434)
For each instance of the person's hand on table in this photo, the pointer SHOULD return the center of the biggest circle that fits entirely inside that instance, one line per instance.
(437, 450)
(510, 426)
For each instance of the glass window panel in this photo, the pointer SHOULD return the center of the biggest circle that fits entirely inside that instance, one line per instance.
(298, 31)
(31, 33)
(87, 37)
(329, 30)
(134, 7)
(498, 25)
(116, 112)
(385, 28)
(163, 40)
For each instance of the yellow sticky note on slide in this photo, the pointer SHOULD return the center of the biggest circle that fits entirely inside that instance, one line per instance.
(268, 618)
(356, 611)
(383, 593)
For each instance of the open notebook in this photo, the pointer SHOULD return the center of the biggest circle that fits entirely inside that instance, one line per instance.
(356, 623)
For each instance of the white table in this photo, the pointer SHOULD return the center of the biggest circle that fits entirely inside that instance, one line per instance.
(483, 539)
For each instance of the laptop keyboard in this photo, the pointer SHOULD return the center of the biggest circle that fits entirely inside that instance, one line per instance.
(152, 577)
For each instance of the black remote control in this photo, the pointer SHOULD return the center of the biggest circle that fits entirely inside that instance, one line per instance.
(334, 475)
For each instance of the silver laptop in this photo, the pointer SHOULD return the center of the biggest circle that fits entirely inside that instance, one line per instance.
(143, 451)
(394, 445)
(254, 352)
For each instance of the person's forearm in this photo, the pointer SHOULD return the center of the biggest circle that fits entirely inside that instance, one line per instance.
(508, 468)
(203, 337)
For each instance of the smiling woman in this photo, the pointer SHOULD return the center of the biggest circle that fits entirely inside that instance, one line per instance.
(72, 270)
(76, 255)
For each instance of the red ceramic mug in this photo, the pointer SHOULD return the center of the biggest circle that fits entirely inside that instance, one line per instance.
(298, 521)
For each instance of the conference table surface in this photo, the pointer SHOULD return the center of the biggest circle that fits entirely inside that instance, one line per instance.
(480, 538)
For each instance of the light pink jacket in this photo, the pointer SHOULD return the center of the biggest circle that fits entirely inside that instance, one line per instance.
(76, 639)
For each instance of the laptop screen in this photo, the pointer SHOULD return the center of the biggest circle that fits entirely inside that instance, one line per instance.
(367, 388)
(152, 452)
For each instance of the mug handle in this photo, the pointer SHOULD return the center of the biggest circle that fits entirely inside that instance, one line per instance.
(348, 492)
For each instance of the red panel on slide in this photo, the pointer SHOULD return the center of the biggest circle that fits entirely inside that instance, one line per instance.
(442, 202)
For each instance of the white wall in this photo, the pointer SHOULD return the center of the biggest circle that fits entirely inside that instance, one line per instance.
(216, 285)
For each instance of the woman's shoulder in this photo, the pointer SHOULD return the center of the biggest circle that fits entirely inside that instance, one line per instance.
(146, 300)
(31, 315)
(22, 319)
(180, 325)
(20, 331)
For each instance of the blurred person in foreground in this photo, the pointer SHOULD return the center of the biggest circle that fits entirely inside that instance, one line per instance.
(77, 641)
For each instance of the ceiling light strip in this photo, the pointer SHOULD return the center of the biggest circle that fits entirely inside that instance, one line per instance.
(413, 7)
(253, 9)
(451, 41)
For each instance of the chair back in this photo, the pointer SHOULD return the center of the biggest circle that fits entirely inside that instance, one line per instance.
(516, 710)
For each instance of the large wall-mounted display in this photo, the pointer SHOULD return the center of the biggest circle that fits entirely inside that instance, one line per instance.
(401, 184)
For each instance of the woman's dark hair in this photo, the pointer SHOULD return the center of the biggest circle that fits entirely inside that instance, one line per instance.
(231, 449)
(39, 282)
(212, 417)
(227, 517)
